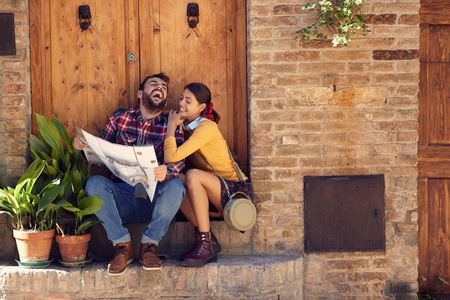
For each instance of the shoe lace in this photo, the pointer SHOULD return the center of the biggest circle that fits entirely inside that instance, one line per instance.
(121, 250)
(150, 248)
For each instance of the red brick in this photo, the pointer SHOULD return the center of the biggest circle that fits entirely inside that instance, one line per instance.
(14, 66)
(15, 125)
(348, 264)
(260, 129)
(15, 161)
(287, 174)
(346, 81)
(13, 101)
(299, 128)
(299, 80)
(274, 68)
(284, 162)
(260, 11)
(13, 113)
(14, 89)
(261, 33)
(299, 151)
(297, 56)
(398, 8)
(370, 43)
(278, 117)
(348, 55)
(272, 21)
(387, 19)
(288, 10)
(409, 19)
(396, 54)
(321, 68)
(260, 57)
(288, 221)
(258, 174)
(263, 140)
(396, 79)
(264, 151)
(14, 77)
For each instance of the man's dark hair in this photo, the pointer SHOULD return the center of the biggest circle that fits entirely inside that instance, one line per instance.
(159, 75)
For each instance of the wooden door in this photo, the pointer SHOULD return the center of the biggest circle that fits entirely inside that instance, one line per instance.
(434, 142)
(85, 75)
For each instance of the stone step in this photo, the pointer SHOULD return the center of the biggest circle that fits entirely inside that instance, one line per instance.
(231, 277)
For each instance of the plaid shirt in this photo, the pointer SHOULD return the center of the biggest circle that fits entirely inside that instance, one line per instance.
(126, 127)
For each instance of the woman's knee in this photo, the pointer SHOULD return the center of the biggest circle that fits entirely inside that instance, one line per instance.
(192, 176)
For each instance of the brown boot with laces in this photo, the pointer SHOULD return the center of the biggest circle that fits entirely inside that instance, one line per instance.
(203, 252)
(148, 258)
(214, 242)
(122, 258)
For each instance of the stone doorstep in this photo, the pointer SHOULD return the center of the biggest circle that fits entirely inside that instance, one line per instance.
(231, 277)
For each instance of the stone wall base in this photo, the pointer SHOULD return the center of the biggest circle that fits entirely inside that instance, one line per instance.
(232, 277)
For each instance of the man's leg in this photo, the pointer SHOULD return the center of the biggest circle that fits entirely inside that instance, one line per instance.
(115, 198)
(166, 202)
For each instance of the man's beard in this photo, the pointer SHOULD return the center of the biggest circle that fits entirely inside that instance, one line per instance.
(150, 105)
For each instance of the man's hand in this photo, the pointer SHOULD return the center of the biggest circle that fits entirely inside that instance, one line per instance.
(78, 144)
(160, 172)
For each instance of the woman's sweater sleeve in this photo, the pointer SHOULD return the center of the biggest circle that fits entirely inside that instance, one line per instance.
(200, 136)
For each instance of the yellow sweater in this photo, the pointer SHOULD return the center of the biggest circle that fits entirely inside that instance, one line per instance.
(208, 140)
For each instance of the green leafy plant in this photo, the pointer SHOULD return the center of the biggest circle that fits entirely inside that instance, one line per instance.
(65, 162)
(342, 17)
(425, 294)
(31, 207)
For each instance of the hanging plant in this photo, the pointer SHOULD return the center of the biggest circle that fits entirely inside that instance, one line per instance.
(343, 17)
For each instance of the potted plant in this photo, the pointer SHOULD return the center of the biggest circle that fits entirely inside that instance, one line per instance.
(31, 207)
(76, 214)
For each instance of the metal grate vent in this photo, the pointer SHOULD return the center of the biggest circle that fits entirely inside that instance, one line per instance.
(344, 213)
(7, 34)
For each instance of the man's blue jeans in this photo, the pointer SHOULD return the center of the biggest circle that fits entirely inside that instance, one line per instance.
(121, 207)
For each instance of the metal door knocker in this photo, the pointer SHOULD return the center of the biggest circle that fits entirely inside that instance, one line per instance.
(84, 13)
(192, 12)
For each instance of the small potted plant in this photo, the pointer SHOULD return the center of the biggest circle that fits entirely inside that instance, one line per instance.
(76, 214)
(31, 207)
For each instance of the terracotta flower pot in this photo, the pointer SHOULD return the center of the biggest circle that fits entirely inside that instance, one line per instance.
(34, 246)
(73, 248)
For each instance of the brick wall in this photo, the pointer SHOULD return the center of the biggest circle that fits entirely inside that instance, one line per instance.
(15, 98)
(317, 110)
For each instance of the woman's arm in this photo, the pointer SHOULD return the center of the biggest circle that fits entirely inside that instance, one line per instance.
(203, 134)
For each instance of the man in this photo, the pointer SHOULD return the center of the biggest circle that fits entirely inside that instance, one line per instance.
(141, 125)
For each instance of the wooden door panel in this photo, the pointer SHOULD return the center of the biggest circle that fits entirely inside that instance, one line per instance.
(434, 140)
(106, 61)
(203, 54)
(85, 71)
(439, 105)
(438, 247)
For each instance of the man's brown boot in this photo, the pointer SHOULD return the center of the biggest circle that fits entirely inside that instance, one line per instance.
(122, 258)
(148, 258)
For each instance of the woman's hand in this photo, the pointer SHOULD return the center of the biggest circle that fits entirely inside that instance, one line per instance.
(78, 144)
(174, 120)
(160, 172)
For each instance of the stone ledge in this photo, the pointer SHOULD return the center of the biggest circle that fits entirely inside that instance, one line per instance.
(232, 277)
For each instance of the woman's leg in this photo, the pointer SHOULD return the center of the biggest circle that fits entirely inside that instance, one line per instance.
(203, 188)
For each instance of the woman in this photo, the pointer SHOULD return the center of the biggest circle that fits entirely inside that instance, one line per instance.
(202, 184)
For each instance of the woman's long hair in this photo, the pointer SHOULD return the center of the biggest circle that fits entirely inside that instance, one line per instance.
(203, 95)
